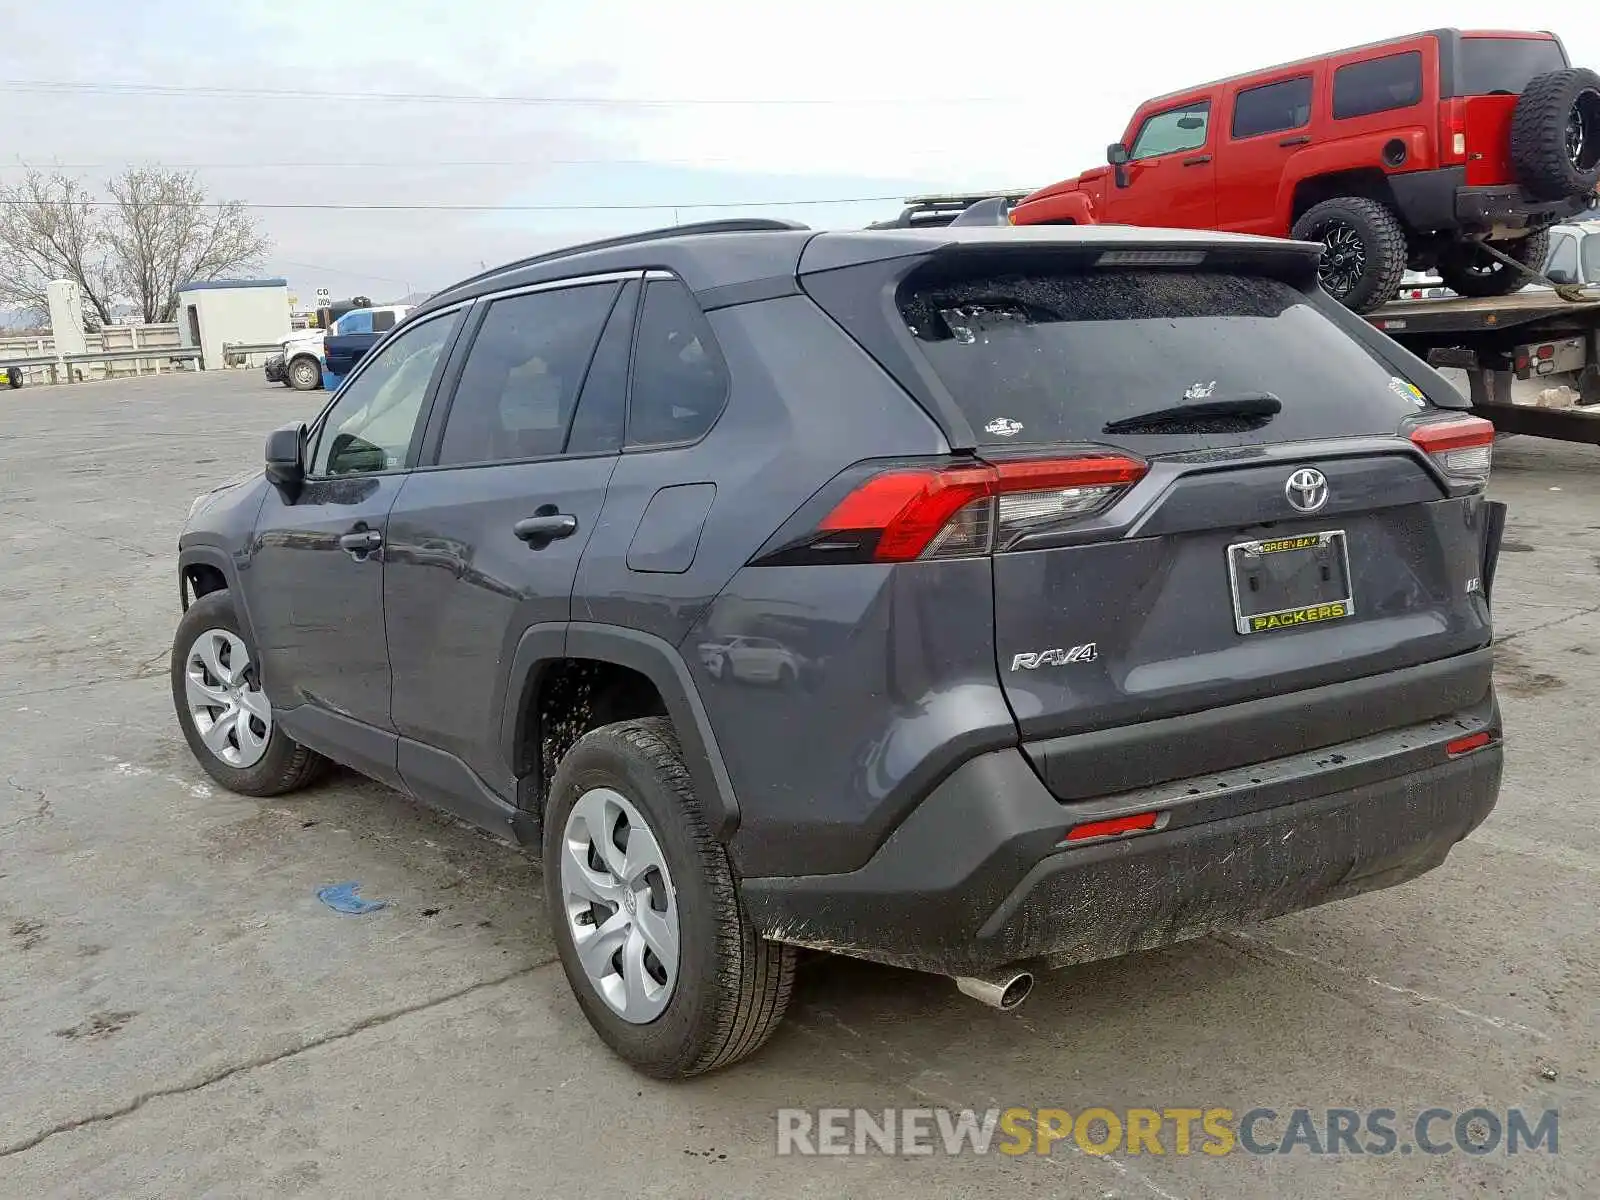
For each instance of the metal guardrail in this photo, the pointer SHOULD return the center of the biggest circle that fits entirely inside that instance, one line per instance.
(170, 353)
(56, 362)
(237, 354)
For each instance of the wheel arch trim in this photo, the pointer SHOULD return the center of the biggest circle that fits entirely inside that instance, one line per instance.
(658, 661)
(218, 558)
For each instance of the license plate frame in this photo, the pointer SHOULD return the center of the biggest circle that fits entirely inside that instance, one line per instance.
(1318, 610)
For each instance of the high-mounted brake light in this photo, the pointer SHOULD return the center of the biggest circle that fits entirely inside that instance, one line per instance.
(1462, 448)
(961, 511)
(1150, 258)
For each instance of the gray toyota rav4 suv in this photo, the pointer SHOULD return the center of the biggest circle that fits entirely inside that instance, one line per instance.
(953, 598)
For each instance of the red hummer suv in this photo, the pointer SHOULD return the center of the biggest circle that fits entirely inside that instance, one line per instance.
(1412, 152)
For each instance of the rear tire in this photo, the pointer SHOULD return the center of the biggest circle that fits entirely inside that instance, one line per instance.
(1555, 134)
(1468, 271)
(239, 762)
(304, 375)
(1363, 249)
(726, 992)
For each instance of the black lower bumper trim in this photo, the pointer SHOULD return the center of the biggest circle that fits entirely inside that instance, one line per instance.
(1441, 200)
(974, 878)
(1482, 208)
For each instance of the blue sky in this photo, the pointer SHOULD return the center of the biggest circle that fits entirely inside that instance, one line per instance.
(707, 102)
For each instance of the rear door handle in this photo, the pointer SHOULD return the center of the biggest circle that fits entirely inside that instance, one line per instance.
(1303, 140)
(1197, 160)
(361, 542)
(545, 527)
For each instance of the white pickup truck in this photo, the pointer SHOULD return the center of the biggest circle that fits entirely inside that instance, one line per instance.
(301, 365)
(1574, 255)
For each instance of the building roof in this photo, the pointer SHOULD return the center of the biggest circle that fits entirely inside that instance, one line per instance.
(217, 285)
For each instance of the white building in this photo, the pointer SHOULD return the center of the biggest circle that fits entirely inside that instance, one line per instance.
(232, 310)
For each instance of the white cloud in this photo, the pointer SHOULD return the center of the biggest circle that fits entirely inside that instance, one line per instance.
(1068, 73)
(1048, 85)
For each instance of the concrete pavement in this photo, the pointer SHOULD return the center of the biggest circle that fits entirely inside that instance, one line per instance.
(179, 1016)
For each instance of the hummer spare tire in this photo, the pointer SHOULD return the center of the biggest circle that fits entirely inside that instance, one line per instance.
(1555, 134)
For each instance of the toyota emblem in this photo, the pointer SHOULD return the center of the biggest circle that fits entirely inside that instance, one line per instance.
(1307, 489)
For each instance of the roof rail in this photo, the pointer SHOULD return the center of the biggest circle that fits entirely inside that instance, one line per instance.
(921, 211)
(727, 225)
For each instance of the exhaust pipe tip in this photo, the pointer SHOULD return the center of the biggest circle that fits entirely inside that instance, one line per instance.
(1005, 992)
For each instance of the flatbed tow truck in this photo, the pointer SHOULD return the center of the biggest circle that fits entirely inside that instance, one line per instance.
(1535, 334)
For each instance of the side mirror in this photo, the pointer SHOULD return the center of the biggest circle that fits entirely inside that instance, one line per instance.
(286, 468)
(1560, 275)
(1117, 156)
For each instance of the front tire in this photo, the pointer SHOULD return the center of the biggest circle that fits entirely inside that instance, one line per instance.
(656, 947)
(1363, 250)
(223, 712)
(1467, 271)
(305, 375)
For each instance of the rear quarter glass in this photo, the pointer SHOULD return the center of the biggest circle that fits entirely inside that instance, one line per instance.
(1504, 66)
(1058, 357)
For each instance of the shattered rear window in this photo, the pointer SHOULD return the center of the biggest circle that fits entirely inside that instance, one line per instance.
(1057, 357)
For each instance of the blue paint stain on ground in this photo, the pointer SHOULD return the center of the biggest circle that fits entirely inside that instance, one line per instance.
(341, 897)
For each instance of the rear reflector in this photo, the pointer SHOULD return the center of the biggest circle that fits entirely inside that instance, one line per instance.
(1467, 745)
(1111, 827)
(960, 511)
(1462, 448)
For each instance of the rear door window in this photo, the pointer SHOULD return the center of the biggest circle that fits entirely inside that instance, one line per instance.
(1377, 85)
(1071, 357)
(1273, 107)
(519, 387)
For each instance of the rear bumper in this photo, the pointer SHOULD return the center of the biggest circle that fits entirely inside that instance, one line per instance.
(1442, 200)
(1485, 207)
(977, 877)
(275, 369)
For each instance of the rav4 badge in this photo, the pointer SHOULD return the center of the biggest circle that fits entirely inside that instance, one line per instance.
(1059, 657)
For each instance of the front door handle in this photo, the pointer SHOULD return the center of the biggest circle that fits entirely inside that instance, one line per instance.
(1303, 140)
(360, 542)
(545, 527)
(1197, 160)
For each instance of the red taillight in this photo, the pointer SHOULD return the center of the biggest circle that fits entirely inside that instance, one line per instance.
(954, 512)
(1453, 131)
(1466, 745)
(1462, 447)
(1113, 826)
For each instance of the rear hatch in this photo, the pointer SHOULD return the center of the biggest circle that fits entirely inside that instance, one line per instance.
(1490, 74)
(1208, 483)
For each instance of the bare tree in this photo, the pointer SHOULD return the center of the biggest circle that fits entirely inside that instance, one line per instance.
(50, 229)
(157, 232)
(162, 232)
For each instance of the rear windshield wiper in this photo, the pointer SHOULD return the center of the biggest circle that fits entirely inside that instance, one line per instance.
(1258, 408)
